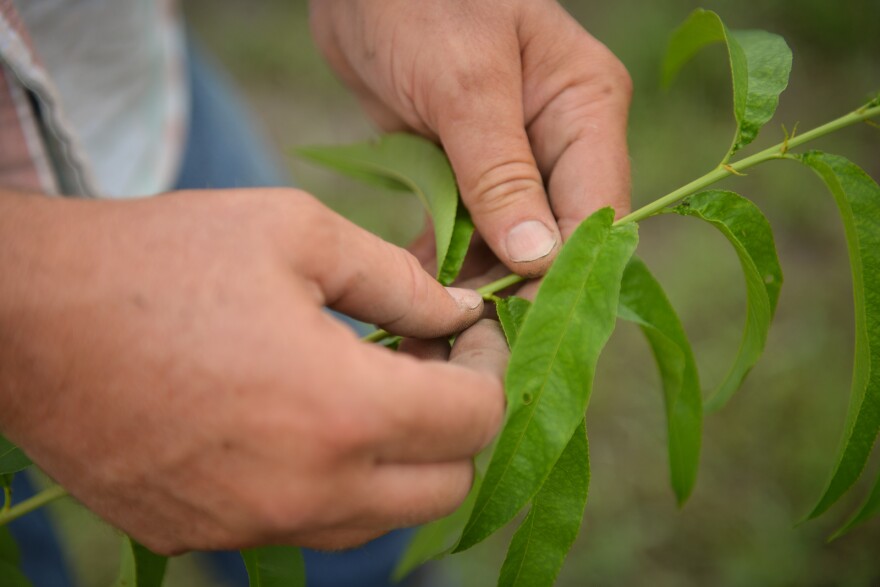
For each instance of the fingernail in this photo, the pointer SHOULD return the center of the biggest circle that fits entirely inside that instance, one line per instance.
(529, 241)
(468, 299)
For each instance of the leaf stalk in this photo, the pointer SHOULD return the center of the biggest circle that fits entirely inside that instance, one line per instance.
(724, 170)
(737, 167)
(39, 500)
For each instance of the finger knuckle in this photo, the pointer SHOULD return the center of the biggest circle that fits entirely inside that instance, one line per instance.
(277, 516)
(469, 74)
(504, 184)
(303, 219)
(302, 212)
(350, 433)
(614, 82)
(620, 79)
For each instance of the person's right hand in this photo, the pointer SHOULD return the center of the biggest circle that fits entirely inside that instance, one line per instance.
(169, 362)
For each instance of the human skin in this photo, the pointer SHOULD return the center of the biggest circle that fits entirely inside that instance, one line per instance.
(530, 108)
(169, 362)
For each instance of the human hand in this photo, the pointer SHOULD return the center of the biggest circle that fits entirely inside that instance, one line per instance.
(169, 362)
(517, 92)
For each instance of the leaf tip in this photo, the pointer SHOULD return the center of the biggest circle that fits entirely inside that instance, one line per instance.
(683, 494)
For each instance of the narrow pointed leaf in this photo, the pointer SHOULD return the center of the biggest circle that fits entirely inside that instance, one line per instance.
(360, 161)
(409, 163)
(275, 566)
(12, 459)
(869, 509)
(11, 576)
(512, 315)
(462, 231)
(542, 541)
(760, 64)
(435, 540)
(743, 224)
(550, 374)
(10, 561)
(643, 301)
(140, 567)
(858, 200)
(8, 548)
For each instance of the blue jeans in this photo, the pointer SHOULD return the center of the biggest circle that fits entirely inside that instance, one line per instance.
(223, 150)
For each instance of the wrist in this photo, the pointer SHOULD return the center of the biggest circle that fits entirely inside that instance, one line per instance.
(38, 249)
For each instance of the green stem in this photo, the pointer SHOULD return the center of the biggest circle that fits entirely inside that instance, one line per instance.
(376, 336)
(39, 500)
(7, 500)
(723, 170)
(774, 152)
(487, 291)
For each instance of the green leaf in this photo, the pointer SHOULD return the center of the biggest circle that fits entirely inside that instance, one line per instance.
(462, 232)
(140, 567)
(760, 63)
(12, 459)
(542, 541)
(643, 301)
(512, 314)
(361, 161)
(8, 548)
(275, 566)
(11, 576)
(550, 374)
(858, 200)
(436, 539)
(869, 509)
(409, 163)
(748, 231)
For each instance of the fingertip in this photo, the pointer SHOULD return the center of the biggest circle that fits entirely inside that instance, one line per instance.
(468, 300)
(531, 246)
(482, 347)
(470, 305)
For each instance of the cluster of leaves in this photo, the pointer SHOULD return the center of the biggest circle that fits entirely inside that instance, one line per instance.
(541, 457)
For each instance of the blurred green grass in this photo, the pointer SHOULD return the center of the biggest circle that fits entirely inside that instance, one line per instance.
(767, 455)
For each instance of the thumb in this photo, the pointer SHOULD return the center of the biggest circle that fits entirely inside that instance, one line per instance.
(481, 125)
(362, 276)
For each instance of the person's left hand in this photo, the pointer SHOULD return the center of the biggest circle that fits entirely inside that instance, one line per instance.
(517, 92)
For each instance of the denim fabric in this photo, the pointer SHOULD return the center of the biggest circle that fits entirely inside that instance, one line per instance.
(42, 559)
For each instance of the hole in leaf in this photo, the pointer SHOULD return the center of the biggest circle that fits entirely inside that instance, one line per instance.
(527, 398)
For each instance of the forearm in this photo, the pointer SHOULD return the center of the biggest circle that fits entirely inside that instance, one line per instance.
(30, 230)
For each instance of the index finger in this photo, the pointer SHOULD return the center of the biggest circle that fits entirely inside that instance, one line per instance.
(362, 276)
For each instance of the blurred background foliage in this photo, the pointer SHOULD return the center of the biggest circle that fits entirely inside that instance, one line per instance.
(768, 454)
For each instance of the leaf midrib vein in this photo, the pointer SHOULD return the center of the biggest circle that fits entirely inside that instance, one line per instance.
(540, 394)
